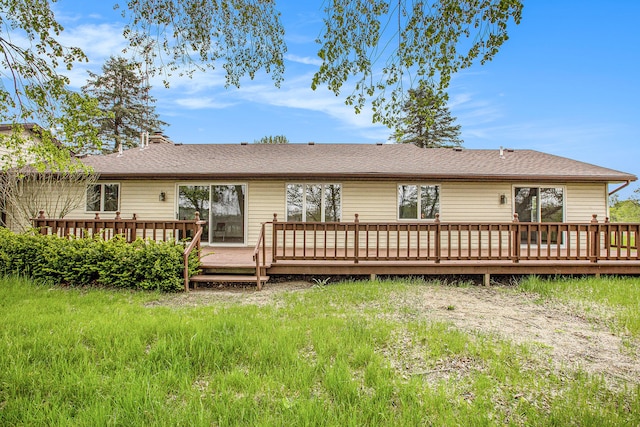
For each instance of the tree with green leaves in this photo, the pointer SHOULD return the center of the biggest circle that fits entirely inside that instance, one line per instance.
(278, 139)
(373, 49)
(127, 108)
(33, 91)
(382, 47)
(426, 122)
(625, 211)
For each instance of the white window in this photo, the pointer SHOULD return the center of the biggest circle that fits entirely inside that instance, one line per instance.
(418, 201)
(314, 202)
(103, 197)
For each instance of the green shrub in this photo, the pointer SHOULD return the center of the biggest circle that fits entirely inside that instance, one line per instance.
(143, 264)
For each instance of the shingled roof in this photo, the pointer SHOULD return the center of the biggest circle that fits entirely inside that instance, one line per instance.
(344, 161)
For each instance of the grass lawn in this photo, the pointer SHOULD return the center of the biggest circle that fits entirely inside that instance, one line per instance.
(338, 355)
(619, 296)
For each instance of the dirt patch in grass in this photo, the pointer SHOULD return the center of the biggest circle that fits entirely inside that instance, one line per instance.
(571, 339)
(242, 294)
(564, 334)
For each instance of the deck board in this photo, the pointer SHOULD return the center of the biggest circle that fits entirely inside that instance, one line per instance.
(242, 257)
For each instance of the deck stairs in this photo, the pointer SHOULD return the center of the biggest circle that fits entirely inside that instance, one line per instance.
(237, 269)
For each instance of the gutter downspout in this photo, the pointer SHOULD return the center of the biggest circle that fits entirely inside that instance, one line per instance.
(619, 188)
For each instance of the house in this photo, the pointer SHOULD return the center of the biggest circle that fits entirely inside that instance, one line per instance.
(20, 143)
(23, 189)
(237, 188)
(16, 144)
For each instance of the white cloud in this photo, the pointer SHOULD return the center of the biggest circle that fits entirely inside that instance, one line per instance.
(307, 60)
(206, 90)
(488, 121)
(472, 111)
(296, 93)
(201, 103)
(98, 41)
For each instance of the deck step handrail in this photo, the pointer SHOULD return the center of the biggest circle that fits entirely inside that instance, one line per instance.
(260, 249)
(438, 241)
(194, 244)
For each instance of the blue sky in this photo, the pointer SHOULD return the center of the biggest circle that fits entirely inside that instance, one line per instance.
(565, 83)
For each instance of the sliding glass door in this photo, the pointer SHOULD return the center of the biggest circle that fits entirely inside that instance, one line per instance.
(539, 204)
(222, 206)
(192, 199)
(228, 224)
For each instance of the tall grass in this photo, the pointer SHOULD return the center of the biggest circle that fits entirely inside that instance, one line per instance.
(333, 356)
(620, 296)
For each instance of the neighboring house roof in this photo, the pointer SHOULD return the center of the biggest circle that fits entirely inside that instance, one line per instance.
(26, 126)
(344, 161)
(31, 136)
(32, 128)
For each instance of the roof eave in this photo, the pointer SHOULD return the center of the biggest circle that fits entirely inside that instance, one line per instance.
(369, 176)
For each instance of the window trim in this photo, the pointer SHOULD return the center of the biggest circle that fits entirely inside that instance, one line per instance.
(540, 186)
(102, 193)
(323, 186)
(419, 201)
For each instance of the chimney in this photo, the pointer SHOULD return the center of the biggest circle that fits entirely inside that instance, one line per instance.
(158, 138)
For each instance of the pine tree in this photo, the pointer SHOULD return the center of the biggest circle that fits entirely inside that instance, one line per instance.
(127, 107)
(426, 122)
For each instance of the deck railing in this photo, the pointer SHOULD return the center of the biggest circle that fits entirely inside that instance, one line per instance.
(130, 229)
(439, 241)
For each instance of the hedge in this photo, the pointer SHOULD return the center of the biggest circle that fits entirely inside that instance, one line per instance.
(143, 264)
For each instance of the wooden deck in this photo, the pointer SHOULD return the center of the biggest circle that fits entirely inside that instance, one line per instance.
(239, 261)
(397, 248)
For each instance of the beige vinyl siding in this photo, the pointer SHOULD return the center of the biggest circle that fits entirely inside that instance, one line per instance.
(265, 198)
(7, 155)
(142, 198)
(467, 202)
(51, 202)
(475, 202)
(139, 197)
(584, 200)
(373, 201)
(377, 201)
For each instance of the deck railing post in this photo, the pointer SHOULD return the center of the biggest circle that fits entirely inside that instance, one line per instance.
(118, 228)
(197, 228)
(41, 220)
(437, 239)
(608, 236)
(274, 239)
(356, 239)
(133, 232)
(264, 244)
(516, 238)
(595, 238)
